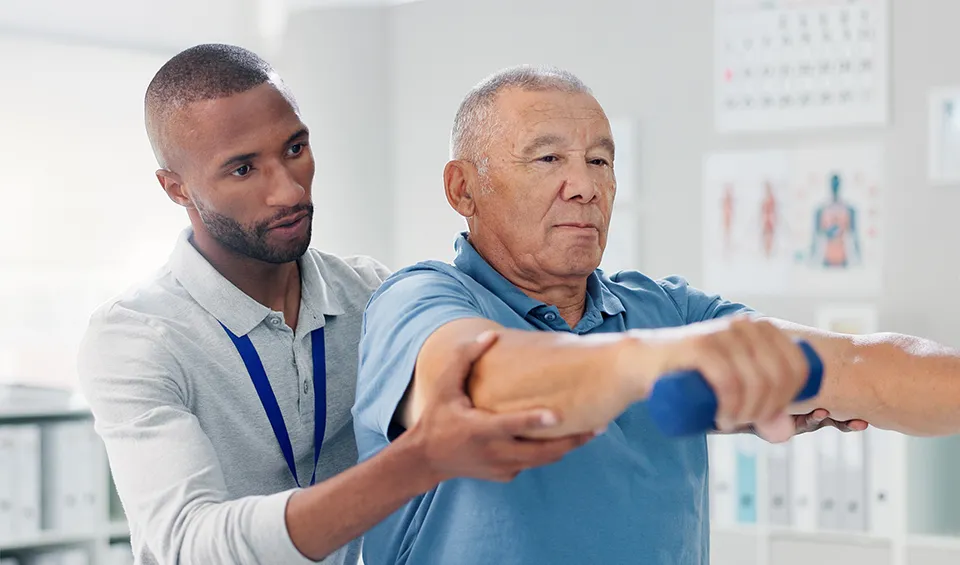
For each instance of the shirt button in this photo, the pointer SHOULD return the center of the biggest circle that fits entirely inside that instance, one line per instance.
(305, 387)
(549, 316)
(274, 320)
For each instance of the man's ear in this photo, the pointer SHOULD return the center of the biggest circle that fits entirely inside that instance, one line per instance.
(461, 181)
(173, 186)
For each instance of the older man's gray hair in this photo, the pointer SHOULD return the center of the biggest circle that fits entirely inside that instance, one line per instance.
(475, 124)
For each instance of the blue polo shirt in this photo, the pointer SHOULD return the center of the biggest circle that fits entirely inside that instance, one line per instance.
(628, 496)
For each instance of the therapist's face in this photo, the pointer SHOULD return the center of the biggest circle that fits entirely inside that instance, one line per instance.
(549, 186)
(244, 167)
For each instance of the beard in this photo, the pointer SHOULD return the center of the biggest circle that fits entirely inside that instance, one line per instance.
(251, 241)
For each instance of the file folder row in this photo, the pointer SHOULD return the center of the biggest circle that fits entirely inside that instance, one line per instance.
(825, 480)
(53, 478)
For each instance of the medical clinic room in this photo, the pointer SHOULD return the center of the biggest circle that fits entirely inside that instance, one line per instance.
(489, 282)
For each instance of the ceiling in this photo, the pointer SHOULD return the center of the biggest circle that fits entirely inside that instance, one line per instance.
(157, 24)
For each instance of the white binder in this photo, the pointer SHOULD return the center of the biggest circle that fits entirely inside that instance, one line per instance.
(804, 461)
(778, 485)
(723, 472)
(8, 452)
(855, 482)
(829, 479)
(884, 449)
(26, 503)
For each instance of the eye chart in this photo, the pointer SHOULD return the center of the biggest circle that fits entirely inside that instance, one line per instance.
(784, 64)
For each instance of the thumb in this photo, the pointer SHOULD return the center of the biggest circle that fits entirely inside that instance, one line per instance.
(452, 381)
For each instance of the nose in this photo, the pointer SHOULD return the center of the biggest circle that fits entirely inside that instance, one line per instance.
(284, 190)
(580, 183)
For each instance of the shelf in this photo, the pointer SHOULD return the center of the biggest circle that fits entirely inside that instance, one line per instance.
(49, 539)
(831, 536)
(951, 543)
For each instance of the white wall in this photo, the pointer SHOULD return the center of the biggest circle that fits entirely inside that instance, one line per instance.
(335, 60)
(83, 215)
(652, 60)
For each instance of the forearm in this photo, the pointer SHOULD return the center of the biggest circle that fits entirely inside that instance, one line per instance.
(333, 513)
(585, 381)
(893, 381)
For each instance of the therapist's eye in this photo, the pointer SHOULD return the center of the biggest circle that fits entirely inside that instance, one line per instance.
(242, 171)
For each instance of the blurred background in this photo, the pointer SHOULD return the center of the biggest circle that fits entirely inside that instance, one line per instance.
(735, 120)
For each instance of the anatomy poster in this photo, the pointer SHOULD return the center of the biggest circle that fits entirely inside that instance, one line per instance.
(803, 222)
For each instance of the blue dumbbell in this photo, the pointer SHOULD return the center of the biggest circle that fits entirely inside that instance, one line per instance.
(682, 403)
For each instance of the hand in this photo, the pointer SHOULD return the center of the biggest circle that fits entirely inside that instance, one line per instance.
(820, 418)
(459, 440)
(811, 422)
(755, 369)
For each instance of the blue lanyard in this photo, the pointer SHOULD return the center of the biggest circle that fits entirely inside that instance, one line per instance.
(269, 401)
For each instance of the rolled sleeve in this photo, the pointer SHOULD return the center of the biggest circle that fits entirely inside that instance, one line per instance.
(399, 318)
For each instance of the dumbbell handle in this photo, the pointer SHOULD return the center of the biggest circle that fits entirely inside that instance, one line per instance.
(682, 403)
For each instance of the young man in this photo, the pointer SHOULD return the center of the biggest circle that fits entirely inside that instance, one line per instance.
(222, 387)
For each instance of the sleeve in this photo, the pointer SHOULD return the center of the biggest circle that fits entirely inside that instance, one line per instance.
(695, 305)
(398, 320)
(165, 467)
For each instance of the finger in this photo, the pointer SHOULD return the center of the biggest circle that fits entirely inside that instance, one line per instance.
(534, 453)
(776, 430)
(783, 363)
(456, 373)
(519, 424)
(720, 373)
(756, 386)
(849, 426)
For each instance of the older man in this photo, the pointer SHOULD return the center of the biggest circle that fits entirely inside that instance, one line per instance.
(532, 172)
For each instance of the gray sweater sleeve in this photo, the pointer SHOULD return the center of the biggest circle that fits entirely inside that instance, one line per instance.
(166, 470)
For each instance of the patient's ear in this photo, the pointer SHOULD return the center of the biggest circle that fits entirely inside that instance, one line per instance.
(461, 182)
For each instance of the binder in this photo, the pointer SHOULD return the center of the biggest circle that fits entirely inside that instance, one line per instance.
(778, 485)
(803, 481)
(829, 479)
(62, 476)
(8, 452)
(747, 448)
(855, 482)
(883, 450)
(26, 502)
(723, 474)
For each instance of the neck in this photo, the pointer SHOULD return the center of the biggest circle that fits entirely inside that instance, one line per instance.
(276, 286)
(568, 293)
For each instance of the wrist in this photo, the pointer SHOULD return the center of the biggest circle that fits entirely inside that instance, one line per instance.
(412, 463)
(637, 365)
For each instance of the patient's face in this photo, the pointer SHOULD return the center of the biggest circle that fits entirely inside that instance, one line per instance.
(550, 182)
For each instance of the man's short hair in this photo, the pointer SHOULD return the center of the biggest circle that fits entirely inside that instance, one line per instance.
(203, 72)
(474, 124)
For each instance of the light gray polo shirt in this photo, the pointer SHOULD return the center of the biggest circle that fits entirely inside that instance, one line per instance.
(197, 465)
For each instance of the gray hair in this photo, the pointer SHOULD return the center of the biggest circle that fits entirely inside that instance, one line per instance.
(474, 124)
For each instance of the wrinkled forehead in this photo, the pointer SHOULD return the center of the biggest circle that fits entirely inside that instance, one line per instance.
(525, 115)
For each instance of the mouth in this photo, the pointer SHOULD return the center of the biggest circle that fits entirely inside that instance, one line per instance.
(290, 221)
(578, 225)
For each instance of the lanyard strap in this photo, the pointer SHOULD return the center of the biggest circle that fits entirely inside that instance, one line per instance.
(269, 401)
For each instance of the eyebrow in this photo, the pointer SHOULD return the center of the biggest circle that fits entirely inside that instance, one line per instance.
(541, 142)
(236, 159)
(552, 139)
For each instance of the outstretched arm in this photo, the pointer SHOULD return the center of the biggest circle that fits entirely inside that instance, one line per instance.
(893, 381)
